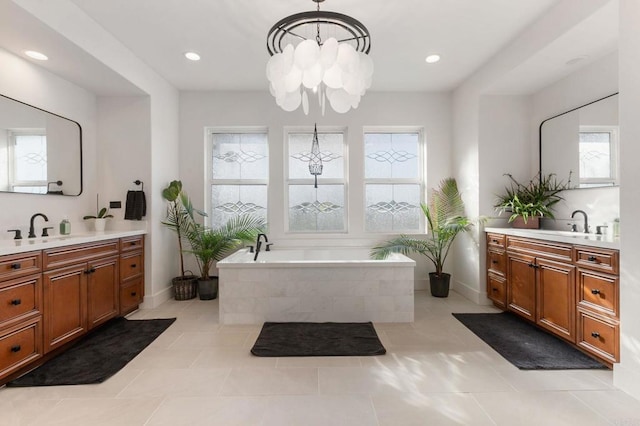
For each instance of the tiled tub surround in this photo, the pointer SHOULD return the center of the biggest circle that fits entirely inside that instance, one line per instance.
(339, 285)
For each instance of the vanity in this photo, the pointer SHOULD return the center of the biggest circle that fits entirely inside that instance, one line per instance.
(564, 282)
(55, 290)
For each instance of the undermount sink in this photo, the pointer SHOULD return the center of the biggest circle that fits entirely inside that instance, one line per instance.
(563, 233)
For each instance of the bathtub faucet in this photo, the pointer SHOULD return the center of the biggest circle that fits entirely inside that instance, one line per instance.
(259, 244)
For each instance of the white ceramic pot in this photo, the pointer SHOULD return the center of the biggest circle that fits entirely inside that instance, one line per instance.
(99, 224)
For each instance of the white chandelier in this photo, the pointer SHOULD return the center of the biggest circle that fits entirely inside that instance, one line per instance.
(337, 67)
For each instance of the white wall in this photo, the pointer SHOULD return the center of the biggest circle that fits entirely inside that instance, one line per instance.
(31, 84)
(626, 374)
(200, 110)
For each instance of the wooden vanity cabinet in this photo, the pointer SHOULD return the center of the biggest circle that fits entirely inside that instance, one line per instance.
(497, 270)
(131, 273)
(20, 311)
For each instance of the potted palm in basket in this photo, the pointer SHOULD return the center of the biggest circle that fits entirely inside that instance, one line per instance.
(445, 219)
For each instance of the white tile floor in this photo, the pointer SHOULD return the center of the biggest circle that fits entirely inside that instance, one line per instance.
(435, 372)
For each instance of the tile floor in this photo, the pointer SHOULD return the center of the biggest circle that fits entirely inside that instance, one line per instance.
(435, 372)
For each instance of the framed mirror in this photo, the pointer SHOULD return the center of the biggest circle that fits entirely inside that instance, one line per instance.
(40, 152)
(583, 143)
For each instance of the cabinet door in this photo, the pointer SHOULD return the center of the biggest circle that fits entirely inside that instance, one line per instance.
(65, 305)
(557, 298)
(521, 285)
(103, 293)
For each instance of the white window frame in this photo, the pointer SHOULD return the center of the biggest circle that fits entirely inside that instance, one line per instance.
(421, 180)
(208, 164)
(613, 178)
(13, 182)
(321, 181)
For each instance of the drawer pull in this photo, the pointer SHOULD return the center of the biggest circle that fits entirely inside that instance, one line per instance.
(16, 348)
(133, 293)
(592, 258)
(495, 290)
(16, 265)
(494, 262)
(533, 265)
(595, 291)
(495, 241)
(16, 302)
(132, 243)
(595, 334)
(133, 265)
(90, 271)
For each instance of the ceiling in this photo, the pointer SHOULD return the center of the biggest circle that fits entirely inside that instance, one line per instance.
(230, 35)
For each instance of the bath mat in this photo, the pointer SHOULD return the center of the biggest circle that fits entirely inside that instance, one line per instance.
(317, 339)
(525, 345)
(97, 356)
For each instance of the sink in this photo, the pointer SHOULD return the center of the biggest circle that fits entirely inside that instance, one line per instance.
(563, 233)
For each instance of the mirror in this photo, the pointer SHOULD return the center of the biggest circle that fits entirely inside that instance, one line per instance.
(40, 152)
(582, 142)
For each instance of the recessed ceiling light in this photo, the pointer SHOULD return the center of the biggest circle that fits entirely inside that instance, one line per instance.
(36, 55)
(432, 59)
(192, 56)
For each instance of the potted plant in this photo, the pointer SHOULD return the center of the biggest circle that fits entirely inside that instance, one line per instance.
(180, 219)
(446, 219)
(100, 218)
(528, 203)
(210, 245)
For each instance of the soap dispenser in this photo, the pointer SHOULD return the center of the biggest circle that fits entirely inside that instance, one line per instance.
(65, 227)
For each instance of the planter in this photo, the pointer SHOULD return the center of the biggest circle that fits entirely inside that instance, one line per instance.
(185, 287)
(99, 224)
(439, 284)
(208, 289)
(532, 223)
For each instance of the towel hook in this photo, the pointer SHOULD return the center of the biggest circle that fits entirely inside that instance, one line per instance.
(139, 182)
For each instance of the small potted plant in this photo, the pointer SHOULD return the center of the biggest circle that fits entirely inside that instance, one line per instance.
(210, 245)
(528, 203)
(446, 219)
(100, 218)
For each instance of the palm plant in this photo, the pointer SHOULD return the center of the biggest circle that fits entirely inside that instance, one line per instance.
(210, 245)
(445, 218)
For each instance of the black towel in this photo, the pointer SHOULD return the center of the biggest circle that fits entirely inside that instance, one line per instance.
(136, 205)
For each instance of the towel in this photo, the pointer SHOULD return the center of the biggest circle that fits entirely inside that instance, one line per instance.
(136, 206)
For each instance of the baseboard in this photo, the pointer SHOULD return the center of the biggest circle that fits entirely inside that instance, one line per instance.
(477, 297)
(155, 300)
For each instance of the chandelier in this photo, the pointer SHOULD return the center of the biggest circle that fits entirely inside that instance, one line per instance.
(325, 53)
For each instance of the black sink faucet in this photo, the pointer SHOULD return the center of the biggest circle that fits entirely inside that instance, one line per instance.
(259, 244)
(586, 222)
(32, 231)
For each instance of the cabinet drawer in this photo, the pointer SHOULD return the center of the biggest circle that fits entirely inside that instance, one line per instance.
(20, 346)
(64, 256)
(497, 261)
(497, 290)
(19, 265)
(20, 298)
(539, 248)
(495, 240)
(598, 259)
(132, 243)
(599, 292)
(598, 336)
(131, 265)
(131, 295)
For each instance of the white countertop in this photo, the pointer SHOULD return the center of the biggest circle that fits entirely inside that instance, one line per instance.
(578, 238)
(31, 244)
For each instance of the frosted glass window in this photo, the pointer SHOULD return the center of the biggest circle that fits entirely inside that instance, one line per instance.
(393, 168)
(238, 175)
(29, 167)
(595, 155)
(331, 153)
(316, 209)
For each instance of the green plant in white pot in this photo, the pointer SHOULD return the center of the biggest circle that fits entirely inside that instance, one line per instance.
(445, 219)
(212, 244)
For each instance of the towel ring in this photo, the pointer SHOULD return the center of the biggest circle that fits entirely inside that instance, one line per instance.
(139, 182)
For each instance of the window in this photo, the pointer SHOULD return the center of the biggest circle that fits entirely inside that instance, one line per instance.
(393, 172)
(597, 150)
(28, 161)
(322, 208)
(239, 173)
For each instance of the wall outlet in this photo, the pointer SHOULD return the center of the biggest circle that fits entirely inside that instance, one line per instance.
(115, 204)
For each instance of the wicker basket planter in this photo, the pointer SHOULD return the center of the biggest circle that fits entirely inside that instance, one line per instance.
(185, 287)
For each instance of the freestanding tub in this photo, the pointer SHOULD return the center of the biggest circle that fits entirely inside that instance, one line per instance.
(317, 285)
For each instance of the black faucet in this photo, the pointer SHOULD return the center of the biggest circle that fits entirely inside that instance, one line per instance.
(259, 244)
(586, 223)
(32, 231)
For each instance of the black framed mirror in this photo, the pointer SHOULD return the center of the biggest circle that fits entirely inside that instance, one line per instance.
(40, 152)
(583, 143)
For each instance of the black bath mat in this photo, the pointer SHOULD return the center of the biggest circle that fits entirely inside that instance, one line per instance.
(525, 345)
(98, 356)
(317, 339)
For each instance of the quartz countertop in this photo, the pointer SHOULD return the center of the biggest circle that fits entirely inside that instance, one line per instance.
(32, 244)
(577, 238)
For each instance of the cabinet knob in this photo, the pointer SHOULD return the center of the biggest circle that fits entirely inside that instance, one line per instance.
(592, 258)
(595, 334)
(16, 348)
(133, 293)
(494, 261)
(133, 265)
(16, 265)
(16, 302)
(595, 291)
(494, 241)
(132, 243)
(495, 290)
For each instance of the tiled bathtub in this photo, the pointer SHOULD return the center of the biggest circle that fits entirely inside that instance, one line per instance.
(341, 285)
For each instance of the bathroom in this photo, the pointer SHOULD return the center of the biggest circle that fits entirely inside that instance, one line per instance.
(137, 126)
